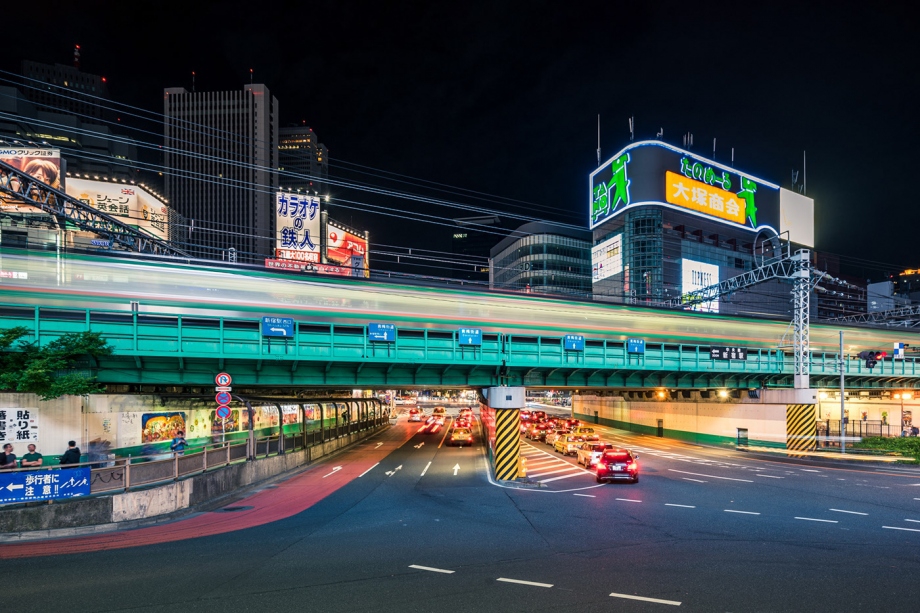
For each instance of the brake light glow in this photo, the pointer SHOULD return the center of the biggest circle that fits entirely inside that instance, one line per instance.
(601, 466)
(633, 466)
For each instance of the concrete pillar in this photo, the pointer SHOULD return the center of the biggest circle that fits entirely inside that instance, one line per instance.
(506, 402)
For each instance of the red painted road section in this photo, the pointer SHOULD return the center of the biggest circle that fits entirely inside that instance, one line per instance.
(290, 497)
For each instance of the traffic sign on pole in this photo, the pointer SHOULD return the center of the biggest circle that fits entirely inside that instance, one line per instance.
(223, 398)
(223, 388)
(223, 411)
(223, 379)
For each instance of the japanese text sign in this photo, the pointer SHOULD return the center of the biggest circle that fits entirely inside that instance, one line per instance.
(635, 345)
(381, 332)
(277, 326)
(469, 336)
(44, 485)
(728, 353)
(297, 224)
(18, 426)
(574, 342)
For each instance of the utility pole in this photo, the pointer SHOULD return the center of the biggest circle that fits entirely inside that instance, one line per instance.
(843, 429)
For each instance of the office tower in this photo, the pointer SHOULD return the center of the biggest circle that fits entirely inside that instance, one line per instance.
(221, 159)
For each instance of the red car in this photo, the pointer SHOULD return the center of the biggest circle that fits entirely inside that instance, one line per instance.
(618, 465)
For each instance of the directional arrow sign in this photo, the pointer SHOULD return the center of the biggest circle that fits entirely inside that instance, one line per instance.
(15, 486)
(277, 326)
(420, 445)
(378, 445)
(390, 473)
(456, 468)
(334, 470)
(223, 379)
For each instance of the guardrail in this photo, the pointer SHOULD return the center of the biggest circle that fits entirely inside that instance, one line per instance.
(124, 474)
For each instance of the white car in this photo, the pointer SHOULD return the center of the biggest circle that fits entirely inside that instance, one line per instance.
(590, 452)
(555, 434)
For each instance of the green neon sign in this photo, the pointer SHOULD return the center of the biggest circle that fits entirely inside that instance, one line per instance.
(608, 196)
(721, 178)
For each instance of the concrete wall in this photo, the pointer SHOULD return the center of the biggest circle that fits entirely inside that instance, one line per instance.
(107, 511)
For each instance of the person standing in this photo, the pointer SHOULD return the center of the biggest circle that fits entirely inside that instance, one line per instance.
(178, 442)
(72, 455)
(8, 458)
(33, 459)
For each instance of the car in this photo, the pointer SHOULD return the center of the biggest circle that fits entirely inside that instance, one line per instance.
(537, 432)
(439, 411)
(431, 426)
(551, 436)
(537, 415)
(572, 423)
(591, 451)
(461, 422)
(525, 415)
(439, 419)
(567, 444)
(466, 414)
(618, 465)
(461, 436)
(415, 415)
(588, 433)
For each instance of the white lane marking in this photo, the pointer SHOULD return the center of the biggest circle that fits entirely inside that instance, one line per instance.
(334, 470)
(434, 570)
(426, 469)
(566, 476)
(544, 463)
(915, 521)
(585, 495)
(658, 600)
(710, 476)
(455, 469)
(904, 529)
(769, 476)
(808, 470)
(685, 506)
(850, 512)
(826, 521)
(695, 480)
(628, 500)
(916, 498)
(551, 472)
(368, 470)
(742, 512)
(533, 583)
(378, 445)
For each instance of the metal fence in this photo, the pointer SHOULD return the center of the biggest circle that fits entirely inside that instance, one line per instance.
(122, 474)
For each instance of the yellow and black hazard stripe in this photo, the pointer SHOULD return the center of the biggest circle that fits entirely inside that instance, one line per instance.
(507, 443)
(801, 427)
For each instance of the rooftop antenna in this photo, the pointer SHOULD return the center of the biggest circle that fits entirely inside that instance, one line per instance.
(598, 139)
(733, 157)
(632, 126)
(76, 57)
(250, 76)
(193, 81)
(688, 141)
(804, 176)
(713, 148)
(660, 134)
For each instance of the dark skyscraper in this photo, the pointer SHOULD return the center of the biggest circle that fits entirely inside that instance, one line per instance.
(221, 156)
(301, 153)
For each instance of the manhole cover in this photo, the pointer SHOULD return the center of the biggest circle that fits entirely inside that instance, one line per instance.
(232, 509)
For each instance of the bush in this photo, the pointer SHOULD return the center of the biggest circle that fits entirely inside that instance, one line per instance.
(909, 446)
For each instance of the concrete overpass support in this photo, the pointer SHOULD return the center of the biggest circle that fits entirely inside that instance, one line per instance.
(502, 421)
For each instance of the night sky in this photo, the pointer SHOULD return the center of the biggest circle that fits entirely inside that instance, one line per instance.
(502, 97)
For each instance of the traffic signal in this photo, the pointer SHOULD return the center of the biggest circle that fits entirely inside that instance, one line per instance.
(871, 357)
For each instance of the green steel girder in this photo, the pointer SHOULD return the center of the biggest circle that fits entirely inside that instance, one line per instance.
(168, 350)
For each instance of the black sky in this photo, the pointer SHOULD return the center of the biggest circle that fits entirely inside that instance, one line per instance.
(502, 97)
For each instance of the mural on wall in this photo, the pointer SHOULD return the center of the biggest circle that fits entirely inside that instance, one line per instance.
(157, 427)
(220, 426)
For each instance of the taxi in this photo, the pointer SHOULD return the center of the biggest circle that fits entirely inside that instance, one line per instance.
(568, 444)
(555, 434)
(415, 415)
(589, 452)
(587, 433)
(461, 436)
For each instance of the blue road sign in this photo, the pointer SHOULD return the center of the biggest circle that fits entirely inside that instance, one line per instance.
(44, 485)
(278, 326)
(223, 398)
(635, 345)
(469, 336)
(385, 333)
(574, 342)
(223, 411)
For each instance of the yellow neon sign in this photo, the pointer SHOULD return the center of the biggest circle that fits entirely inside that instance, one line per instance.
(698, 196)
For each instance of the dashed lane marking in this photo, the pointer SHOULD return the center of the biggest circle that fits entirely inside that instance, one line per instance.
(628, 500)
(585, 495)
(433, 570)
(684, 506)
(826, 521)
(426, 469)
(368, 470)
(741, 512)
(533, 583)
(710, 476)
(904, 529)
(770, 476)
(694, 480)
(643, 598)
(850, 512)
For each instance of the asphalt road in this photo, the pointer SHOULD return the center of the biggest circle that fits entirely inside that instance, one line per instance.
(426, 530)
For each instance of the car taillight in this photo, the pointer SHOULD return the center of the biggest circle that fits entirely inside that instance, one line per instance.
(633, 466)
(601, 466)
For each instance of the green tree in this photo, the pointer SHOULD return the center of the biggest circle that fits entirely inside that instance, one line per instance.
(48, 371)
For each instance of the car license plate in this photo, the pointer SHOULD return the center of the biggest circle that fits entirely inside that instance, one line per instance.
(619, 467)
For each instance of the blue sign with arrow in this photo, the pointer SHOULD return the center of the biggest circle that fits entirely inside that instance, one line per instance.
(385, 333)
(574, 342)
(635, 345)
(469, 336)
(44, 485)
(278, 326)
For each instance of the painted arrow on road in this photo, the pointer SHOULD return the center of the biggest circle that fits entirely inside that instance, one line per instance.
(334, 470)
(456, 468)
(378, 445)
(419, 446)
(390, 473)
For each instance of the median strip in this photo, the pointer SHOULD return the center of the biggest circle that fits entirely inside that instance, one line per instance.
(643, 598)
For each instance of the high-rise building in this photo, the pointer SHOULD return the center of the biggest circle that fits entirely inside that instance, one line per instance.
(303, 161)
(221, 155)
(543, 258)
(65, 88)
